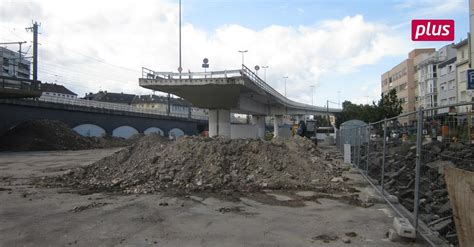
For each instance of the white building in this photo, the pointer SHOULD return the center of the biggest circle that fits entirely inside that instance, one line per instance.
(446, 84)
(13, 65)
(429, 78)
(57, 91)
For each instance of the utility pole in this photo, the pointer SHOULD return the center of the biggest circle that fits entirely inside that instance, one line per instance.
(34, 28)
(285, 77)
(312, 94)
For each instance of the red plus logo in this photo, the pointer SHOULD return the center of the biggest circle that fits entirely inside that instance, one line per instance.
(432, 30)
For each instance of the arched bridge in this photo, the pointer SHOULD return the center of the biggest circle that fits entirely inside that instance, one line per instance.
(91, 121)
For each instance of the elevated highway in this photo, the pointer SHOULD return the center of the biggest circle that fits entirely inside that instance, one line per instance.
(223, 92)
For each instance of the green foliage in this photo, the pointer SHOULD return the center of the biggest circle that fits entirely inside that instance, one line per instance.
(323, 121)
(388, 106)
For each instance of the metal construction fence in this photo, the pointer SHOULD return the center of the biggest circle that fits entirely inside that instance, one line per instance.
(404, 158)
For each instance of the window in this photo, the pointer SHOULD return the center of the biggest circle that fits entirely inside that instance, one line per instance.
(462, 97)
(451, 84)
(442, 86)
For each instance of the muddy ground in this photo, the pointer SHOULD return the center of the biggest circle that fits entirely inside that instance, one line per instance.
(32, 216)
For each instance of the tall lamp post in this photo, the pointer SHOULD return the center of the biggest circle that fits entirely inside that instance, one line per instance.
(180, 68)
(312, 93)
(243, 55)
(265, 72)
(285, 77)
(339, 98)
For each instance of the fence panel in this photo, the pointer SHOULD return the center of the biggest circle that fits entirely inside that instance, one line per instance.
(406, 156)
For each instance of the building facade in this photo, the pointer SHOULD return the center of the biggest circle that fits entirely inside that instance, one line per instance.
(462, 65)
(54, 90)
(446, 84)
(160, 103)
(403, 78)
(13, 65)
(436, 79)
(118, 98)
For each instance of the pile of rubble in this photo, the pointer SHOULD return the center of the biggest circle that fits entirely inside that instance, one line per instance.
(211, 164)
(399, 178)
(45, 135)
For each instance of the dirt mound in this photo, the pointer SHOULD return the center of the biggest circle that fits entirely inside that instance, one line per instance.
(44, 135)
(199, 163)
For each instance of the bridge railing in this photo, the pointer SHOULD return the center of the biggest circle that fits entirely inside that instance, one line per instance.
(150, 74)
(244, 72)
(284, 100)
(115, 106)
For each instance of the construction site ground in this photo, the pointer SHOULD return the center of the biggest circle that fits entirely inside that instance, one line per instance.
(38, 216)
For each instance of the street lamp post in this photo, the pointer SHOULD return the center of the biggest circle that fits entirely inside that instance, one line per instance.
(339, 98)
(180, 68)
(285, 77)
(243, 55)
(312, 93)
(265, 72)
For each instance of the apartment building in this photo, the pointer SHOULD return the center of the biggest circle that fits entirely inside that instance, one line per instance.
(432, 68)
(462, 65)
(446, 84)
(160, 103)
(13, 65)
(403, 78)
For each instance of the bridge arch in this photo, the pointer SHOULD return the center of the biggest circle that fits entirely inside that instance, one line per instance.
(124, 131)
(154, 130)
(175, 133)
(89, 130)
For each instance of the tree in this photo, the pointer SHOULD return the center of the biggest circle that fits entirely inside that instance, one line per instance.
(388, 106)
(322, 121)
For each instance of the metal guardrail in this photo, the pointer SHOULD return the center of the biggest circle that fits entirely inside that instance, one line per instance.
(114, 106)
(244, 72)
(150, 74)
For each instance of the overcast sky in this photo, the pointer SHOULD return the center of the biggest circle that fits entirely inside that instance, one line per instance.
(333, 44)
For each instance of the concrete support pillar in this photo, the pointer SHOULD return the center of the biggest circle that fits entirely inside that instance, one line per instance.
(277, 122)
(219, 122)
(259, 122)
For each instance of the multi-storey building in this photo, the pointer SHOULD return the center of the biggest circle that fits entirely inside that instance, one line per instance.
(402, 79)
(462, 65)
(446, 84)
(429, 74)
(13, 65)
(160, 103)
